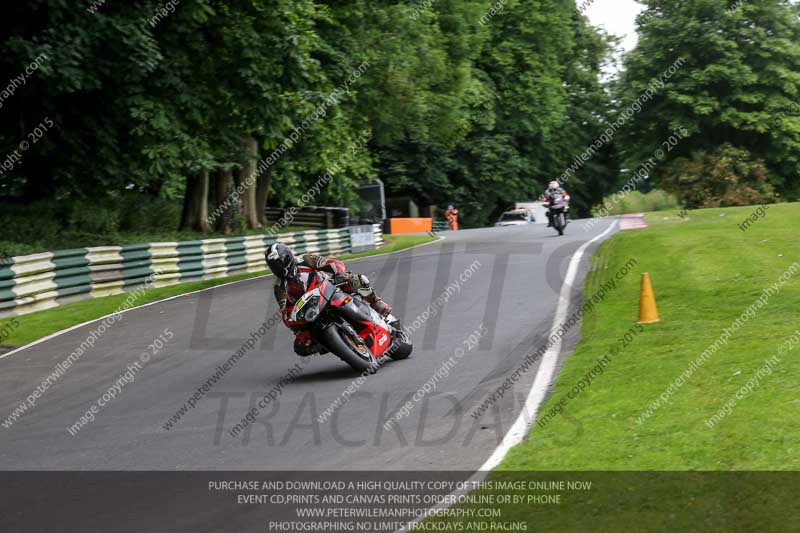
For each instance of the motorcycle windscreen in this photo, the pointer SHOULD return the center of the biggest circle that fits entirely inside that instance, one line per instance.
(311, 298)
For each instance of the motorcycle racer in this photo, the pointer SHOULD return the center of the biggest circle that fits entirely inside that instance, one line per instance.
(553, 188)
(290, 278)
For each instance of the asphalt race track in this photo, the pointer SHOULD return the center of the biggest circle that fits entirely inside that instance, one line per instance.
(508, 282)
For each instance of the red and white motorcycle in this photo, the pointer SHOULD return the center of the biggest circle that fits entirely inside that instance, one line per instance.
(345, 325)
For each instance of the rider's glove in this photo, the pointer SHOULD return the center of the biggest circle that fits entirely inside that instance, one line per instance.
(351, 282)
(343, 278)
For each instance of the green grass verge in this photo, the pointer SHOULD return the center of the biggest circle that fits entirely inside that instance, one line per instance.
(394, 243)
(706, 272)
(34, 326)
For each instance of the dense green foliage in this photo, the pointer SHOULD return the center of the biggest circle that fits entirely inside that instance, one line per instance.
(199, 113)
(622, 203)
(736, 93)
(459, 105)
(136, 218)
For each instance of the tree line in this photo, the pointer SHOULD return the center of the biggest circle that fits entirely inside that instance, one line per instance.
(473, 102)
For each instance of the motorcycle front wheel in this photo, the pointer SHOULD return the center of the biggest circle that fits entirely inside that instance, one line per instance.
(353, 352)
(559, 221)
(401, 347)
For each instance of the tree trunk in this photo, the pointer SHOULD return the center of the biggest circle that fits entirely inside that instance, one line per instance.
(249, 181)
(222, 181)
(154, 187)
(195, 203)
(187, 195)
(262, 195)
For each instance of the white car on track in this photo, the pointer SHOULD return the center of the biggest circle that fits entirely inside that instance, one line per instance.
(516, 217)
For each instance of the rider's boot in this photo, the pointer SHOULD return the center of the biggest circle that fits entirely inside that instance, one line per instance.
(303, 344)
(370, 296)
(377, 304)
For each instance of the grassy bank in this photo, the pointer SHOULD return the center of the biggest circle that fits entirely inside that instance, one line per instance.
(706, 272)
(28, 328)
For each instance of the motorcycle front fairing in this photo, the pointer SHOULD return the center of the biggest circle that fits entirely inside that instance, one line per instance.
(323, 302)
(557, 201)
(320, 292)
(376, 332)
(369, 325)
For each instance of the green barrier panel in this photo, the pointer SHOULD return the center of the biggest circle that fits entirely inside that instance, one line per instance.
(136, 262)
(39, 281)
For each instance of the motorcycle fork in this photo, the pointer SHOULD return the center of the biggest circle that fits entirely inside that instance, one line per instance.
(348, 315)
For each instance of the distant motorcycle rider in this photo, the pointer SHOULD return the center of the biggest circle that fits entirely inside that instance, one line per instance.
(291, 276)
(553, 188)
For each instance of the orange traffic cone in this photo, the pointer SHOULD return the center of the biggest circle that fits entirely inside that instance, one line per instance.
(648, 313)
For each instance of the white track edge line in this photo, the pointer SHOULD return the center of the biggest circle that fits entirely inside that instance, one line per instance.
(544, 375)
(547, 367)
(78, 326)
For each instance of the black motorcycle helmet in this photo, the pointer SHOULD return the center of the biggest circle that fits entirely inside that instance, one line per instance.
(281, 261)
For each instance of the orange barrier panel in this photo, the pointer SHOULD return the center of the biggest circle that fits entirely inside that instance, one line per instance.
(410, 225)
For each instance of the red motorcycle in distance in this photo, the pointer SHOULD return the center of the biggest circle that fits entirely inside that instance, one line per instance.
(558, 205)
(345, 325)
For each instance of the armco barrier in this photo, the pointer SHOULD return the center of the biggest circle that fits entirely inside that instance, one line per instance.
(40, 281)
(440, 225)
